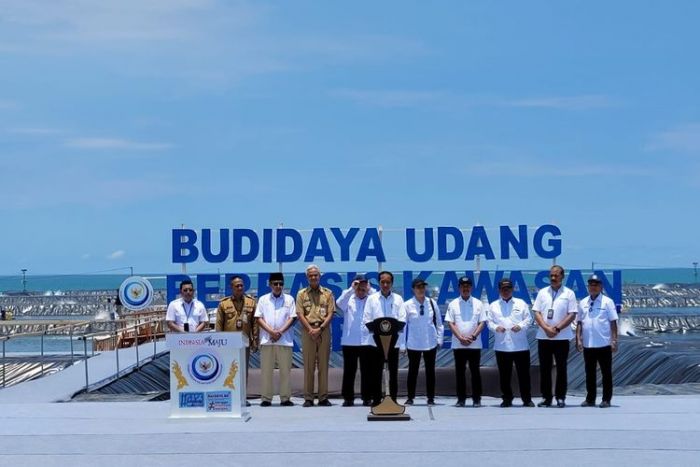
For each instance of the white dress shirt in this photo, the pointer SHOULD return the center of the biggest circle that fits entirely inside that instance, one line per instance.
(563, 302)
(466, 316)
(508, 314)
(276, 311)
(353, 309)
(420, 332)
(379, 306)
(192, 313)
(595, 316)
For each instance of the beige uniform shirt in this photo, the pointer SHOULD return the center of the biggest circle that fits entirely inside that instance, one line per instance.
(238, 316)
(316, 304)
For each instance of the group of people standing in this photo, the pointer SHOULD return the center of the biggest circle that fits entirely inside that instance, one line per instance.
(268, 326)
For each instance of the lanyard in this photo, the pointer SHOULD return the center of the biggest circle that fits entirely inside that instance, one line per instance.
(554, 296)
(187, 313)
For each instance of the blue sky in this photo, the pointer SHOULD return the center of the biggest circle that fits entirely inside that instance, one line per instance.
(122, 120)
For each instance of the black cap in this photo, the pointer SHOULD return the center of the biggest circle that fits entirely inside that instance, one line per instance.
(417, 282)
(595, 279)
(505, 282)
(276, 276)
(465, 280)
(360, 278)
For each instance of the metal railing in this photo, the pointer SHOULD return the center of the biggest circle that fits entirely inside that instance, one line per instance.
(119, 331)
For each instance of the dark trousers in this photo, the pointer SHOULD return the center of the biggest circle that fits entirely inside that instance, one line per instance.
(473, 356)
(601, 356)
(505, 361)
(414, 365)
(378, 383)
(559, 350)
(352, 354)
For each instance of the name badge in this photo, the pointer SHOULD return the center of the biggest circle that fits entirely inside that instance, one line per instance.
(323, 312)
(550, 313)
(239, 324)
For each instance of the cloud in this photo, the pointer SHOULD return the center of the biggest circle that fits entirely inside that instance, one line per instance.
(584, 102)
(389, 98)
(7, 104)
(118, 254)
(683, 138)
(115, 143)
(85, 256)
(34, 131)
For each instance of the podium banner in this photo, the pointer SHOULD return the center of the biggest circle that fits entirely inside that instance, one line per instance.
(207, 375)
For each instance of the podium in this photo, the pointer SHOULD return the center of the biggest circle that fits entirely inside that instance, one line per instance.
(386, 333)
(207, 375)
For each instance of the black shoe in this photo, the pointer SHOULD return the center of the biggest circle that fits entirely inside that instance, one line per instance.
(308, 404)
(431, 401)
(345, 403)
(528, 404)
(545, 403)
(604, 405)
(476, 404)
(287, 404)
(409, 401)
(265, 404)
(460, 403)
(367, 403)
(325, 403)
(247, 403)
(505, 404)
(560, 403)
(588, 404)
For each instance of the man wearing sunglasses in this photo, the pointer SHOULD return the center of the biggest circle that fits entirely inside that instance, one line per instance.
(356, 342)
(186, 314)
(423, 337)
(555, 309)
(236, 314)
(275, 314)
(596, 337)
(509, 318)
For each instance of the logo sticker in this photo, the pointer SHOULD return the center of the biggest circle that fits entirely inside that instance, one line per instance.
(204, 368)
(219, 401)
(190, 400)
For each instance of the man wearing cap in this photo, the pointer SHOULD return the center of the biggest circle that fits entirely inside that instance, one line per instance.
(596, 337)
(186, 314)
(466, 317)
(385, 304)
(237, 314)
(422, 337)
(275, 315)
(555, 309)
(509, 318)
(356, 342)
(315, 307)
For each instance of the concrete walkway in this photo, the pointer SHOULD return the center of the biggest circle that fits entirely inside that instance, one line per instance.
(638, 430)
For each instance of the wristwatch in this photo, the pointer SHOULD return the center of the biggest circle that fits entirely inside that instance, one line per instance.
(556, 328)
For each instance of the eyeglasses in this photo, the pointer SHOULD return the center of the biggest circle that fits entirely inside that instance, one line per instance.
(277, 284)
(188, 290)
(238, 286)
(422, 310)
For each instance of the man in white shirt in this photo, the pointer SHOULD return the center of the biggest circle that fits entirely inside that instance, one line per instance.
(596, 336)
(383, 304)
(509, 318)
(466, 317)
(555, 309)
(186, 314)
(276, 313)
(423, 336)
(356, 342)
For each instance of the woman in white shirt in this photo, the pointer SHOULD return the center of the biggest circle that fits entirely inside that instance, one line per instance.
(423, 336)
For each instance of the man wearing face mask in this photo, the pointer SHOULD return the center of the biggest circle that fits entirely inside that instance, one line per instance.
(315, 306)
(596, 337)
(555, 309)
(186, 314)
(509, 318)
(356, 342)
